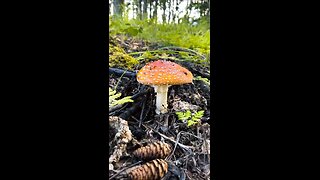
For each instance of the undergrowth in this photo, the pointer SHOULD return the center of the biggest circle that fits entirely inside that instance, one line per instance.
(185, 35)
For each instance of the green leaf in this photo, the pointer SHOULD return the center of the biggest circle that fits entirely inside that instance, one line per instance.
(113, 98)
(133, 31)
(183, 116)
(191, 123)
(197, 116)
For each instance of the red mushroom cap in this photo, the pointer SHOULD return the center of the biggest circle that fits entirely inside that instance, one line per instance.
(164, 73)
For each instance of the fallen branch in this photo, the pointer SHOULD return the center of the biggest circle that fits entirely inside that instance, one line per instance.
(119, 72)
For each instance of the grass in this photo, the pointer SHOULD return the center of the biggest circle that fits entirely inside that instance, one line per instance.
(195, 37)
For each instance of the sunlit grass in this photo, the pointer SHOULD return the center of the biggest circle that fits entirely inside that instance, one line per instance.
(195, 37)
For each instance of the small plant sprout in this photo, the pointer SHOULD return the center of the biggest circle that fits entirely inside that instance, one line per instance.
(184, 116)
(190, 118)
(113, 98)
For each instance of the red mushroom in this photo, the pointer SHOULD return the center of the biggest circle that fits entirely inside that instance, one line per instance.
(161, 75)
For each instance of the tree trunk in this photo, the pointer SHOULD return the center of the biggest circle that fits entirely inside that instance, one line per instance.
(118, 7)
(133, 9)
(139, 9)
(150, 9)
(145, 9)
(164, 12)
(208, 14)
(169, 9)
(155, 11)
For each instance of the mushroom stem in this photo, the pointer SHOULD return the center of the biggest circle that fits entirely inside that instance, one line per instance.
(161, 101)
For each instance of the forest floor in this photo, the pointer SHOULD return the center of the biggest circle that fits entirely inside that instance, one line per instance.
(133, 125)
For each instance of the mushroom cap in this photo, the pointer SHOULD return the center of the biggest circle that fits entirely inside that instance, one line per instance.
(164, 73)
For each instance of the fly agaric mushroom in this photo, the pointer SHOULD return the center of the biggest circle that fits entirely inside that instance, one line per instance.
(161, 75)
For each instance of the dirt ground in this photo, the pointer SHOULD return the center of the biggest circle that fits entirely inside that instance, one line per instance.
(135, 124)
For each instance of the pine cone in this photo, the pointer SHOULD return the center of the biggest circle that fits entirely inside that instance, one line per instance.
(153, 151)
(152, 170)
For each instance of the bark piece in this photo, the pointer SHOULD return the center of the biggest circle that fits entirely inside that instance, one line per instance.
(122, 137)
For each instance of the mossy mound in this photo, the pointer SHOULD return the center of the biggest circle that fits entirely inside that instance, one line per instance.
(120, 59)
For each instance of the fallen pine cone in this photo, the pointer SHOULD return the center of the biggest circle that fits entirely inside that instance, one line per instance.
(152, 170)
(153, 151)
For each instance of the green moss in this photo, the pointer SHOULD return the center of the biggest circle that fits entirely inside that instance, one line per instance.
(120, 59)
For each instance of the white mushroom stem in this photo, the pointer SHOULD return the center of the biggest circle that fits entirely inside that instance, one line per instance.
(162, 96)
